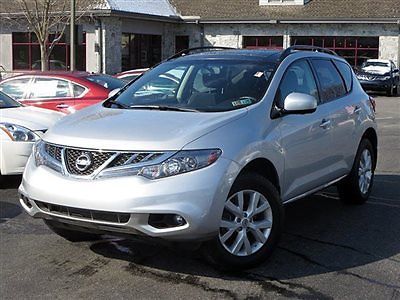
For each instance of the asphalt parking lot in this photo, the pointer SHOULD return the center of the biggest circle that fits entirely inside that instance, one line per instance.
(328, 250)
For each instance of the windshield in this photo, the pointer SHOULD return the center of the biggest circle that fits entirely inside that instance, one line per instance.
(201, 85)
(106, 81)
(7, 102)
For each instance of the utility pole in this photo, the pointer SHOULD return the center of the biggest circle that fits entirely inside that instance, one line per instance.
(72, 36)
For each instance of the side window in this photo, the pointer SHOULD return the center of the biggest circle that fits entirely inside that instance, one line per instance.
(78, 90)
(50, 88)
(346, 73)
(332, 86)
(15, 88)
(297, 79)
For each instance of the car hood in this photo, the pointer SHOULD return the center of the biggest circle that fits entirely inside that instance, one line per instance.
(30, 117)
(375, 70)
(97, 127)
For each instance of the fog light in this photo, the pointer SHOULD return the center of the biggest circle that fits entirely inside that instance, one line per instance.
(179, 220)
(25, 200)
(162, 221)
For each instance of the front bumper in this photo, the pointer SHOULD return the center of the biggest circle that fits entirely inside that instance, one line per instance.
(197, 196)
(13, 156)
(376, 85)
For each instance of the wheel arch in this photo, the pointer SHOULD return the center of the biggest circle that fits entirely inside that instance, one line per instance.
(265, 168)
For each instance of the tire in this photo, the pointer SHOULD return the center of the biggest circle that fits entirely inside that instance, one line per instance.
(216, 251)
(70, 235)
(390, 92)
(351, 190)
(397, 90)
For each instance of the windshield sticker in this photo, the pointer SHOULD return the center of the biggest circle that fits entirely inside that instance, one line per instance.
(259, 74)
(241, 102)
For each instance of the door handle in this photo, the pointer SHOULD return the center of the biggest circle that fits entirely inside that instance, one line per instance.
(357, 109)
(325, 124)
(62, 105)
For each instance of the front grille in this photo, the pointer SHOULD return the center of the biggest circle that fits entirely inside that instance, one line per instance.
(53, 151)
(82, 162)
(90, 215)
(96, 159)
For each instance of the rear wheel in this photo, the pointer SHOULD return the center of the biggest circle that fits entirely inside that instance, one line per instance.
(68, 234)
(391, 91)
(250, 225)
(357, 186)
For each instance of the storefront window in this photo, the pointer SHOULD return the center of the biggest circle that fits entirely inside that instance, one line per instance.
(140, 50)
(263, 42)
(354, 49)
(26, 53)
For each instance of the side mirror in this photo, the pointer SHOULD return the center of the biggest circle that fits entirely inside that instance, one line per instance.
(113, 92)
(396, 71)
(298, 103)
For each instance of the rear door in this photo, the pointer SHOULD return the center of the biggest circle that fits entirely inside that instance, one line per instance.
(51, 93)
(335, 81)
(305, 138)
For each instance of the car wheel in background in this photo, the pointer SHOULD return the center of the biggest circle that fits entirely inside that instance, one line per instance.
(250, 226)
(357, 186)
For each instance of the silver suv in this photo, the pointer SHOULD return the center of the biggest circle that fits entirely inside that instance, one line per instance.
(208, 146)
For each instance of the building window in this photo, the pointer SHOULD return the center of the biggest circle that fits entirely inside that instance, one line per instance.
(181, 43)
(355, 50)
(140, 50)
(263, 42)
(26, 53)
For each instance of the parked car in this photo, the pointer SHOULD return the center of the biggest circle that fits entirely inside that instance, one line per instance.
(131, 74)
(380, 75)
(20, 127)
(244, 133)
(66, 92)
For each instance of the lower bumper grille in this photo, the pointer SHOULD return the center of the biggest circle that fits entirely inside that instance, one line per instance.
(86, 214)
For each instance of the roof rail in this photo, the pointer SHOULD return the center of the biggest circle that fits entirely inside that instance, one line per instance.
(188, 51)
(294, 48)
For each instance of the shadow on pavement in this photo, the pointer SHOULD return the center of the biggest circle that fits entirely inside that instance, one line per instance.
(10, 182)
(322, 235)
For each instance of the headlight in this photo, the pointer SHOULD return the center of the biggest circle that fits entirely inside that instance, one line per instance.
(18, 133)
(43, 159)
(182, 162)
(384, 78)
(179, 163)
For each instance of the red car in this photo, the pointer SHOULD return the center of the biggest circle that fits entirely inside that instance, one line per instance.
(61, 91)
(131, 74)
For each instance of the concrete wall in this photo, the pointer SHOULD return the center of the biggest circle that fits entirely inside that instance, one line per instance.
(111, 48)
(388, 46)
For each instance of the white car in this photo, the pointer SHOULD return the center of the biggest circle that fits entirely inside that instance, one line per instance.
(20, 127)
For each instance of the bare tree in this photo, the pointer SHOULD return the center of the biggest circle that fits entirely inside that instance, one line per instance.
(45, 17)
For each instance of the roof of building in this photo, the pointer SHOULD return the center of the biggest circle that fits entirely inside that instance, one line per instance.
(244, 10)
(147, 7)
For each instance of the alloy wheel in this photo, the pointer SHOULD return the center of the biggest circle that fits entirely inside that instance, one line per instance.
(246, 223)
(365, 171)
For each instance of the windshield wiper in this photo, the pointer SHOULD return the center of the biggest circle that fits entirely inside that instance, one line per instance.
(163, 107)
(120, 105)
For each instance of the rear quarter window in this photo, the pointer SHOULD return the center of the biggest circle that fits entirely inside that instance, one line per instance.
(332, 85)
(346, 73)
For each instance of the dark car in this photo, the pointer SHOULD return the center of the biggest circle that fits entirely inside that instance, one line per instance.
(379, 75)
(62, 91)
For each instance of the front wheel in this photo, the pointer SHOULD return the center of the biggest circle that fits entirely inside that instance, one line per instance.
(250, 225)
(357, 186)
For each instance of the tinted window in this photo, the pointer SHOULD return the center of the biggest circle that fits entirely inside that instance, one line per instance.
(298, 78)
(15, 88)
(7, 102)
(332, 86)
(106, 81)
(346, 73)
(50, 88)
(205, 85)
